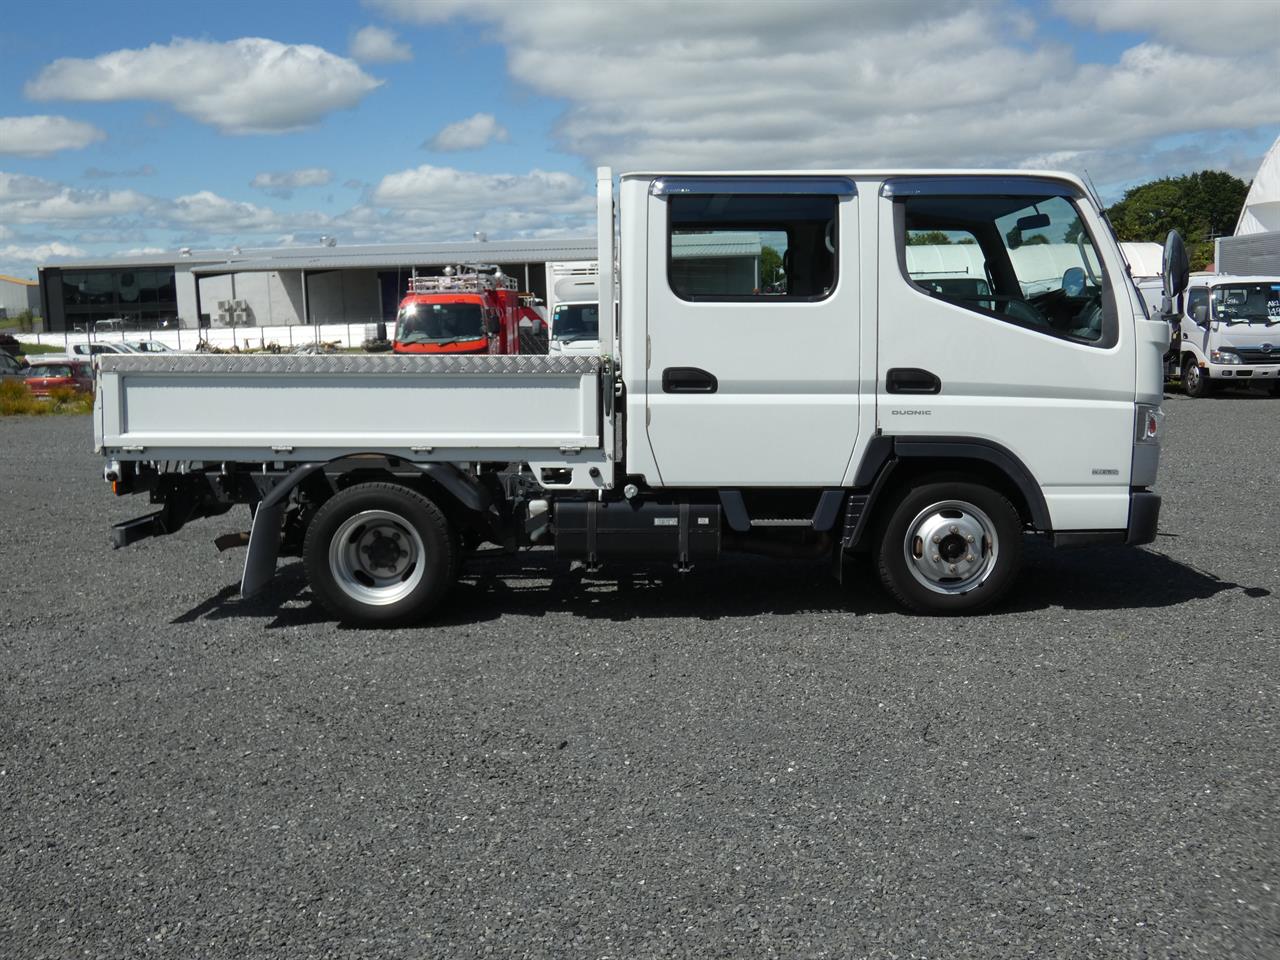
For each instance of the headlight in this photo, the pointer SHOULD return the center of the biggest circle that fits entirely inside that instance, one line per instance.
(1224, 356)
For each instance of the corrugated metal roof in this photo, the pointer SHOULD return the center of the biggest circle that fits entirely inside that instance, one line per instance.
(381, 256)
(370, 256)
(715, 243)
(165, 259)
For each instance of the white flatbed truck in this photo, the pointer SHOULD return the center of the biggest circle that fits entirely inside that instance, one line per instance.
(854, 407)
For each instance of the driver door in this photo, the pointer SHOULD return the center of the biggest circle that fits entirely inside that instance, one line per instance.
(987, 333)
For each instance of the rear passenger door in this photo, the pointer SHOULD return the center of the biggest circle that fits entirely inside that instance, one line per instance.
(752, 321)
(998, 321)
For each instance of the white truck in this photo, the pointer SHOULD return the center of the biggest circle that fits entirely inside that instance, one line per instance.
(573, 307)
(846, 408)
(1230, 334)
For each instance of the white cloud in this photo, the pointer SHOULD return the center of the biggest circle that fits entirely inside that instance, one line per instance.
(472, 133)
(21, 186)
(96, 173)
(379, 45)
(38, 253)
(690, 84)
(64, 204)
(41, 135)
(282, 183)
(1225, 27)
(458, 202)
(249, 85)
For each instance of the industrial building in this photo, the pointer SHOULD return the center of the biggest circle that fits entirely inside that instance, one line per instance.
(17, 297)
(275, 287)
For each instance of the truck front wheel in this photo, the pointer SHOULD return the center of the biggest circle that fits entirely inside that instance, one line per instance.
(950, 547)
(379, 554)
(1195, 382)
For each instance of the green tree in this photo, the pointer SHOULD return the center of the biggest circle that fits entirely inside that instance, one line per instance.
(927, 238)
(1200, 206)
(770, 266)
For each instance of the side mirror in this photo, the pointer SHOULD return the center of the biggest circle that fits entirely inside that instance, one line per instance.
(1073, 281)
(1200, 314)
(1176, 269)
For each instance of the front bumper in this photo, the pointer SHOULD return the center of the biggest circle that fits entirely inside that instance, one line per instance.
(1264, 372)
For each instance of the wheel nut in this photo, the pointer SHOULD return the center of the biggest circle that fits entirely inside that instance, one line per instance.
(969, 538)
(936, 558)
(937, 538)
(969, 558)
(954, 528)
(952, 568)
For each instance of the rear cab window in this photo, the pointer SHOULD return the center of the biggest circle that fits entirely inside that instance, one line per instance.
(738, 241)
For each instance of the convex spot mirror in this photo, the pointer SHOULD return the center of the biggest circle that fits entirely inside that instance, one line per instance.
(1200, 314)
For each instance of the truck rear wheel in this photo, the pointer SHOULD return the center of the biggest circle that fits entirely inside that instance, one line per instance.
(1195, 382)
(379, 554)
(950, 547)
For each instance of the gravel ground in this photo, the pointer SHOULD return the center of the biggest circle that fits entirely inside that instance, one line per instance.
(748, 762)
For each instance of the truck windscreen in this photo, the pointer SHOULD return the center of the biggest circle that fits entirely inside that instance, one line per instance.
(1247, 303)
(436, 322)
(575, 321)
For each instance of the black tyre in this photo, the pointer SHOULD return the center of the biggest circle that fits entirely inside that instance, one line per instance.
(1195, 382)
(379, 554)
(950, 547)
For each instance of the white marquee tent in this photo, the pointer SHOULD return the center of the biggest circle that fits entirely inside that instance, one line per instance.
(1261, 212)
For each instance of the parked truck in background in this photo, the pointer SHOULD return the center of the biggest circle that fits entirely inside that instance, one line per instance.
(469, 310)
(1228, 333)
(852, 407)
(573, 310)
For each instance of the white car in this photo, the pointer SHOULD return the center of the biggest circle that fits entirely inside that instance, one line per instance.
(96, 348)
(149, 346)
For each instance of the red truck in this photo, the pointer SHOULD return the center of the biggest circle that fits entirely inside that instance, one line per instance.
(464, 311)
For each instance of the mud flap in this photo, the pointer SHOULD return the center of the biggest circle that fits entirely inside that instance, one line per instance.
(264, 547)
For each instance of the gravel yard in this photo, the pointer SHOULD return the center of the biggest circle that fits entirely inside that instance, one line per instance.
(751, 761)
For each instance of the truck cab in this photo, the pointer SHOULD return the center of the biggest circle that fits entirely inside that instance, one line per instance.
(463, 312)
(573, 307)
(1230, 330)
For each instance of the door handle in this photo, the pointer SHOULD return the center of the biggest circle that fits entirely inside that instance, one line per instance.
(688, 380)
(911, 380)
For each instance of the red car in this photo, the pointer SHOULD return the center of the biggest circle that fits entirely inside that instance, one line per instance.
(45, 375)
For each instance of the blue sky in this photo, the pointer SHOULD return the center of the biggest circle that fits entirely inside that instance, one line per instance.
(150, 125)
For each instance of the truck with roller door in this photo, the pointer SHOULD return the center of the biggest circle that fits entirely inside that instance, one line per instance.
(860, 402)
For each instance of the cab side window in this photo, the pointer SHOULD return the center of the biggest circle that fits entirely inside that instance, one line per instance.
(1026, 260)
(1197, 298)
(752, 246)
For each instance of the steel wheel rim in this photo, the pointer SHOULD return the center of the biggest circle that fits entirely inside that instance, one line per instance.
(1193, 376)
(951, 547)
(377, 557)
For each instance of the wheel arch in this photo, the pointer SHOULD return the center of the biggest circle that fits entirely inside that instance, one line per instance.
(903, 462)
